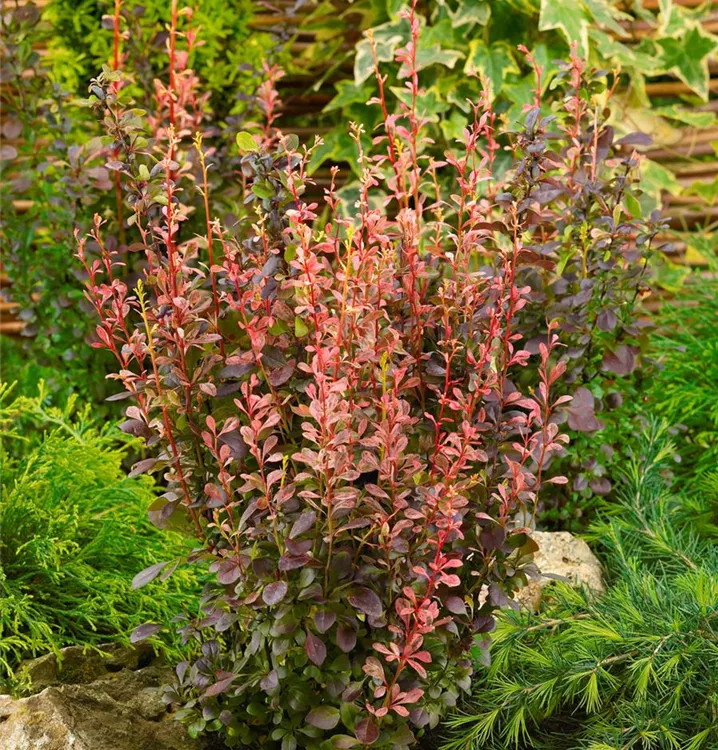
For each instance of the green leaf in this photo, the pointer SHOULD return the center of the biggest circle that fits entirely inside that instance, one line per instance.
(569, 17)
(687, 57)
(344, 741)
(263, 189)
(300, 328)
(323, 717)
(606, 15)
(246, 143)
(687, 116)
(656, 179)
(494, 62)
(348, 92)
(633, 206)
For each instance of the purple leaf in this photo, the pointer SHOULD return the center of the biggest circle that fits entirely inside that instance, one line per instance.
(275, 592)
(235, 371)
(366, 731)
(456, 605)
(635, 139)
(346, 639)
(282, 374)
(601, 485)
(271, 681)
(292, 562)
(144, 631)
(135, 427)
(228, 572)
(121, 396)
(142, 466)
(220, 686)
(147, 575)
(315, 648)
(622, 360)
(366, 601)
(305, 522)
(323, 717)
(581, 414)
(324, 619)
(606, 320)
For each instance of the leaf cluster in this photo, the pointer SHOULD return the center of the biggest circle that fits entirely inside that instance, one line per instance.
(461, 40)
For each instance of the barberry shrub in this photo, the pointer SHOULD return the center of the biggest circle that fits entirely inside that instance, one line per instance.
(593, 252)
(334, 404)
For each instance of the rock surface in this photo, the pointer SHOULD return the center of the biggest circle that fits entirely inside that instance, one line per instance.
(561, 555)
(115, 706)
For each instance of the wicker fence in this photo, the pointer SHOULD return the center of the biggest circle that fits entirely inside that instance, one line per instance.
(690, 153)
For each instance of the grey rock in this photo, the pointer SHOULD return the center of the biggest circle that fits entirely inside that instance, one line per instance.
(120, 710)
(561, 556)
(79, 666)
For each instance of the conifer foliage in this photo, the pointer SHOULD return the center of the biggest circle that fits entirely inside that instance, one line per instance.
(74, 532)
(637, 668)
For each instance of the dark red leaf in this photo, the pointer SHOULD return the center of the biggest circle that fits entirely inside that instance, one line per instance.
(366, 731)
(366, 601)
(315, 648)
(275, 592)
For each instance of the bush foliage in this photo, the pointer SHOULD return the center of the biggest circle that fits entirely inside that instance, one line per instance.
(58, 164)
(74, 533)
(347, 417)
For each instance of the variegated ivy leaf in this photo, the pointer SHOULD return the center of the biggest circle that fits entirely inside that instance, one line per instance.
(635, 57)
(607, 15)
(387, 38)
(656, 179)
(687, 57)
(493, 62)
(471, 12)
(569, 17)
(687, 116)
(434, 55)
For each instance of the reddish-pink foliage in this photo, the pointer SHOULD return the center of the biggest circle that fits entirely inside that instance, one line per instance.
(333, 402)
